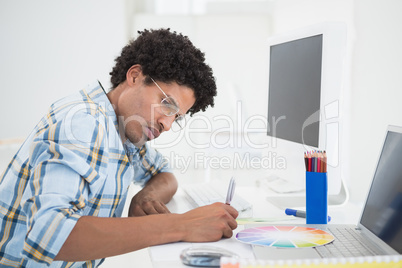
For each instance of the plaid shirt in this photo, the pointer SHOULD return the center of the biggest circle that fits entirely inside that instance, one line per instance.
(72, 164)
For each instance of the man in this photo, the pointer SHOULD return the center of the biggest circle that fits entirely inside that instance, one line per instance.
(62, 195)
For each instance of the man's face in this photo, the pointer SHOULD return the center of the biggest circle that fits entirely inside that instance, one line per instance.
(140, 113)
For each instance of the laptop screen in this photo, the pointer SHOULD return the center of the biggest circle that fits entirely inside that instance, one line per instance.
(382, 214)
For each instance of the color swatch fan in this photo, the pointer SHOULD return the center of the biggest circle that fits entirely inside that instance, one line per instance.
(285, 236)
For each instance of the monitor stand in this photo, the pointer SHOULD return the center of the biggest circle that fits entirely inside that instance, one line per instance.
(284, 201)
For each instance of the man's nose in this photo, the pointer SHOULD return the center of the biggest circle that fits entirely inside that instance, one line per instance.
(167, 122)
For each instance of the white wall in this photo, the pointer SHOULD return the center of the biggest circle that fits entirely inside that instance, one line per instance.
(376, 84)
(50, 49)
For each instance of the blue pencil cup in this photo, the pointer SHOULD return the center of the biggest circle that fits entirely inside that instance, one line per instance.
(316, 198)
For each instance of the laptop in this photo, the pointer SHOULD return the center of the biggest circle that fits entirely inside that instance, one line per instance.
(379, 231)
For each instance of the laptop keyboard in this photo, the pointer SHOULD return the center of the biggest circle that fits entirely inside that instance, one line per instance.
(348, 243)
(205, 194)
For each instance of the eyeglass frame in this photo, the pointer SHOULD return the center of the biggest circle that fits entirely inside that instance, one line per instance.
(178, 117)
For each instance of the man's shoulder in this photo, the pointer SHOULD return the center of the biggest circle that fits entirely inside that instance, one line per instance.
(89, 100)
(88, 94)
(86, 109)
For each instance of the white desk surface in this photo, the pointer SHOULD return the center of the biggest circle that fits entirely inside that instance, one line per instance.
(167, 256)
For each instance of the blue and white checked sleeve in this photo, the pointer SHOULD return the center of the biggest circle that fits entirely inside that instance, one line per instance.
(147, 162)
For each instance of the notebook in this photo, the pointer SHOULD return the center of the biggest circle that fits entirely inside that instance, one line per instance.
(379, 231)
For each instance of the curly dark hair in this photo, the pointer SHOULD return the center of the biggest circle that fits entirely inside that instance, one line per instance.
(168, 57)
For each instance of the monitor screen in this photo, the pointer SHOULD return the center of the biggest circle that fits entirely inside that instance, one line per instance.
(295, 90)
(382, 214)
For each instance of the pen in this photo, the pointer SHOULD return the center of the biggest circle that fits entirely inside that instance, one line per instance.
(231, 189)
(299, 213)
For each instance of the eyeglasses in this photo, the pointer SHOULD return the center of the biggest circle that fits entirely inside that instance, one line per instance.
(169, 107)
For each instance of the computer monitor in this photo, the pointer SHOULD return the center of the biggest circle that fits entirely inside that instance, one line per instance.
(305, 80)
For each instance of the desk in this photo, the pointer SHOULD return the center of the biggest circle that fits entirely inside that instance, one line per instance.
(168, 255)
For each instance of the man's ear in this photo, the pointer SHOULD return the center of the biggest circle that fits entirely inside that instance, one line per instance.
(133, 73)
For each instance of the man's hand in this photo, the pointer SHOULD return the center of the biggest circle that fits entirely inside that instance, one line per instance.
(153, 197)
(209, 223)
(145, 204)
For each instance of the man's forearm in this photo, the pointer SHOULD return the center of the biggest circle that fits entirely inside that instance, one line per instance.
(163, 185)
(95, 237)
(158, 191)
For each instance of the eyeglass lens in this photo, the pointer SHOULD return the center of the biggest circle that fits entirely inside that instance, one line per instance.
(169, 108)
